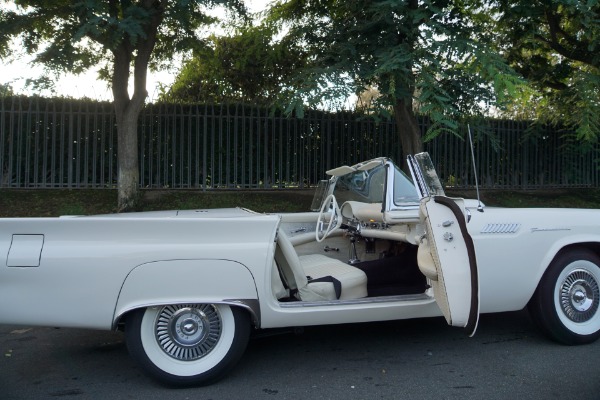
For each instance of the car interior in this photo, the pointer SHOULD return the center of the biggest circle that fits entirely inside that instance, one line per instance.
(379, 268)
(362, 258)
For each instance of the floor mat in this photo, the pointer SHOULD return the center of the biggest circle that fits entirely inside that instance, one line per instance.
(392, 276)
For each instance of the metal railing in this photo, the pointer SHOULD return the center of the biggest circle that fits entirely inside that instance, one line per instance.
(62, 143)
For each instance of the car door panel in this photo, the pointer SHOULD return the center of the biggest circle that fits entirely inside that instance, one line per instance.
(447, 257)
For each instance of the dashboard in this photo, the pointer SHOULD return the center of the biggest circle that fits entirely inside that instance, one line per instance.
(368, 220)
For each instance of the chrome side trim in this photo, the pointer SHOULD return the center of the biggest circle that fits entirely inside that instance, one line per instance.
(365, 300)
(251, 305)
(549, 229)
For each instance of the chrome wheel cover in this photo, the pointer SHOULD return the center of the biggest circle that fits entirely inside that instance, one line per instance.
(188, 332)
(579, 296)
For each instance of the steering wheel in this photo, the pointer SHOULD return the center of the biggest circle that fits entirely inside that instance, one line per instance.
(324, 228)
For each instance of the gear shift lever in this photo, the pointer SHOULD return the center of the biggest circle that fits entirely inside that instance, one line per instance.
(353, 256)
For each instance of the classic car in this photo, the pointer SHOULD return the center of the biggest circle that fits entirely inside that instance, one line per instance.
(189, 287)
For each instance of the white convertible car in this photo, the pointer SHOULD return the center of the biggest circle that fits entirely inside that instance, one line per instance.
(189, 287)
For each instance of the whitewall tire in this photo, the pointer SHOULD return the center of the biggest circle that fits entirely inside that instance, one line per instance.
(566, 304)
(187, 344)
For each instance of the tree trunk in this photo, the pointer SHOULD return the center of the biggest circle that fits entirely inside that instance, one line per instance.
(408, 129)
(128, 175)
(126, 117)
(127, 110)
(406, 120)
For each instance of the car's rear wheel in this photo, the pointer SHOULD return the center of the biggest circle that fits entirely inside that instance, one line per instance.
(187, 344)
(566, 304)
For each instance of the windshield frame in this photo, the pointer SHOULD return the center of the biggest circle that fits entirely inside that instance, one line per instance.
(361, 178)
(391, 203)
(423, 180)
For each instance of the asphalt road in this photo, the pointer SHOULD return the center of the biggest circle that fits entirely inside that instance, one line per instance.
(417, 359)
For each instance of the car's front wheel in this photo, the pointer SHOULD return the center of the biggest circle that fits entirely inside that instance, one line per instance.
(566, 303)
(187, 344)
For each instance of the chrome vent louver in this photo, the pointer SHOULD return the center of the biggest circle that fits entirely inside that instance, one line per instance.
(501, 228)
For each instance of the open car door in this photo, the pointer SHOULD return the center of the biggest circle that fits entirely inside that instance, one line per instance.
(446, 256)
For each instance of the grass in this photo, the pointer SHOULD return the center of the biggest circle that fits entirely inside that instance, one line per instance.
(556, 198)
(51, 203)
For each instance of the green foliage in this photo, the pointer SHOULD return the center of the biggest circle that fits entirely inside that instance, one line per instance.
(41, 84)
(249, 66)
(433, 53)
(6, 90)
(75, 36)
(555, 44)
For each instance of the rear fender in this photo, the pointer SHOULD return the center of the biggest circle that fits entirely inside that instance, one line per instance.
(188, 281)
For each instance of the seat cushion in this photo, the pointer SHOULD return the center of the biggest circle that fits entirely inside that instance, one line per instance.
(353, 280)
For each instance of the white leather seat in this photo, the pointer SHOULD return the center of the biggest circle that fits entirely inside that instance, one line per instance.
(296, 270)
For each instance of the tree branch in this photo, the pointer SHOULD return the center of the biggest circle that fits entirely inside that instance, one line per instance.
(577, 52)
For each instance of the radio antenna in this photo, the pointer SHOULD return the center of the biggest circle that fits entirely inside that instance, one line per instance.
(479, 206)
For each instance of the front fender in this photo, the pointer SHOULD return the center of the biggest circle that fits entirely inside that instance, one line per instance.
(187, 281)
(583, 240)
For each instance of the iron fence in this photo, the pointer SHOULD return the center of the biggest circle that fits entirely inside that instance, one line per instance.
(62, 143)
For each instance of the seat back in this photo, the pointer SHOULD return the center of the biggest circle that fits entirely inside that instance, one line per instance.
(289, 263)
(295, 277)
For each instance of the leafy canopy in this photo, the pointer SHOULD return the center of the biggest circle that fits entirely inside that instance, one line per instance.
(77, 35)
(434, 54)
(555, 44)
(248, 66)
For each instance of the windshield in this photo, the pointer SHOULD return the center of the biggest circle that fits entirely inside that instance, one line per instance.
(368, 187)
(364, 186)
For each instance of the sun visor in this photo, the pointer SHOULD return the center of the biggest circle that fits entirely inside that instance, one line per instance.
(366, 166)
(339, 171)
(371, 164)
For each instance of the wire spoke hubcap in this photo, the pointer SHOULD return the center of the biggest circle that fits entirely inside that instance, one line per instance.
(579, 296)
(188, 332)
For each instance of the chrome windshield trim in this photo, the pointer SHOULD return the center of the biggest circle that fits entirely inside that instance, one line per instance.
(417, 176)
